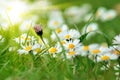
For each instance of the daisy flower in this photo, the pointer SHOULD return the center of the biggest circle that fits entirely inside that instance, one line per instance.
(37, 48)
(100, 12)
(104, 57)
(90, 28)
(59, 32)
(115, 53)
(70, 34)
(55, 23)
(104, 15)
(55, 50)
(25, 49)
(84, 50)
(71, 45)
(72, 48)
(109, 15)
(72, 53)
(116, 40)
(95, 49)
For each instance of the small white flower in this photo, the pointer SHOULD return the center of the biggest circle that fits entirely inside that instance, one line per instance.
(37, 48)
(55, 50)
(109, 15)
(84, 50)
(59, 32)
(72, 53)
(25, 49)
(71, 45)
(100, 12)
(91, 28)
(104, 15)
(70, 34)
(116, 40)
(55, 23)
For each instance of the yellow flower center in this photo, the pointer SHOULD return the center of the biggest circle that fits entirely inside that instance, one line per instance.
(28, 48)
(71, 53)
(52, 50)
(116, 52)
(86, 48)
(37, 50)
(71, 46)
(28, 38)
(105, 58)
(89, 29)
(96, 51)
(98, 14)
(63, 42)
(55, 23)
(67, 36)
(58, 30)
(109, 16)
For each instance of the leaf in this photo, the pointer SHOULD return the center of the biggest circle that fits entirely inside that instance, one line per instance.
(83, 37)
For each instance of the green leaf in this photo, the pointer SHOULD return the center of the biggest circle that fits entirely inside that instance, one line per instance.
(83, 37)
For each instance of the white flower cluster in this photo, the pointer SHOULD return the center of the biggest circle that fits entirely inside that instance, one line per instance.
(72, 45)
(28, 44)
(77, 14)
(69, 41)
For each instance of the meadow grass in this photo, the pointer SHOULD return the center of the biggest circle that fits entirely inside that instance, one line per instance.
(27, 67)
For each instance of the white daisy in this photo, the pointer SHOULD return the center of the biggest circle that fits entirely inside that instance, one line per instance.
(72, 53)
(55, 23)
(84, 50)
(100, 12)
(37, 48)
(25, 49)
(70, 34)
(55, 50)
(91, 27)
(71, 45)
(116, 40)
(104, 57)
(104, 15)
(109, 15)
(59, 32)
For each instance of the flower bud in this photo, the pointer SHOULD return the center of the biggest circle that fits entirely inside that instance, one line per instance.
(38, 30)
